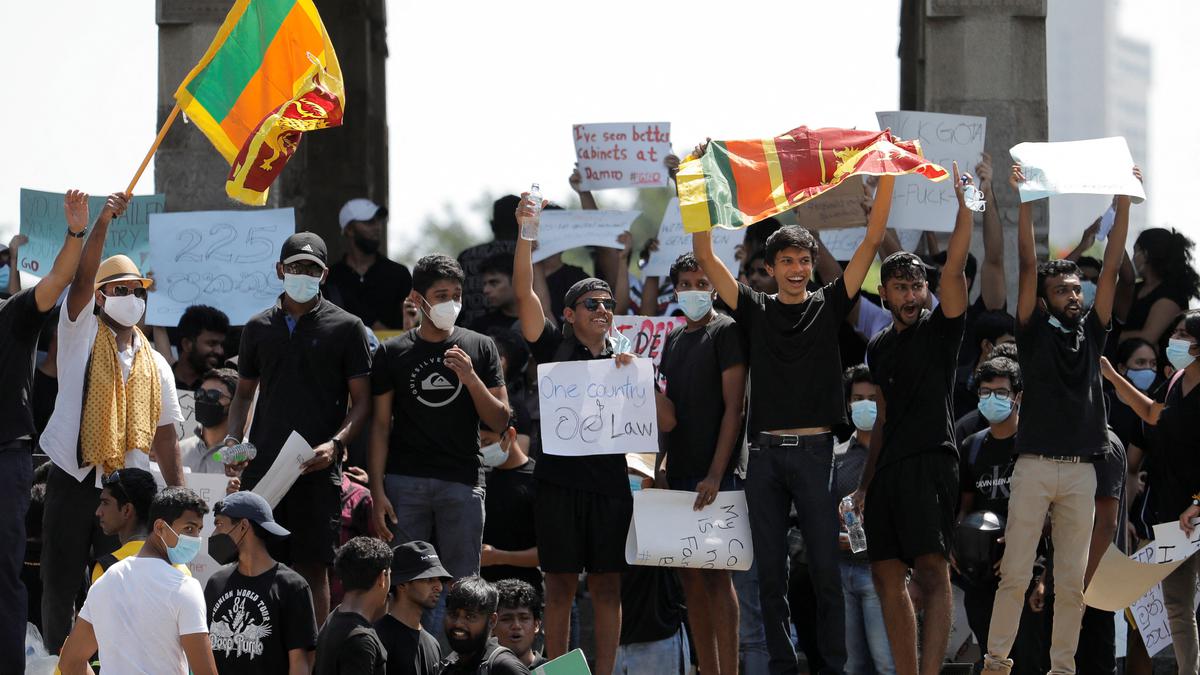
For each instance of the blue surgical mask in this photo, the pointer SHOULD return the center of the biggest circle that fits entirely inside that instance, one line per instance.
(301, 287)
(695, 304)
(863, 413)
(184, 551)
(1177, 353)
(1141, 378)
(995, 409)
(1053, 320)
(4, 272)
(620, 343)
(1089, 293)
(635, 483)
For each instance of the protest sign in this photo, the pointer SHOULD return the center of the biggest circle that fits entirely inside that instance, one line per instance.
(285, 469)
(917, 203)
(1120, 579)
(1150, 615)
(622, 155)
(596, 408)
(187, 404)
(666, 532)
(674, 242)
(842, 244)
(1171, 543)
(562, 230)
(225, 259)
(571, 663)
(43, 221)
(647, 333)
(211, 488)
(1101, 166)
(837, 208)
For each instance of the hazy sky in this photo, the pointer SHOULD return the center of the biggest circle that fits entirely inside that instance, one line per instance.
(484, 100)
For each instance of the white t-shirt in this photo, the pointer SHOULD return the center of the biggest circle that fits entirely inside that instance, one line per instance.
(61, 437)
(138, 609)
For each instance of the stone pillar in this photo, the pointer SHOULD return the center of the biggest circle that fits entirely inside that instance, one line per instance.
(988, 58)
(331, 165)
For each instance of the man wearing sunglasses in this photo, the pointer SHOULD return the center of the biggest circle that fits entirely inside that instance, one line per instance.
(116, 407)
(583, 504)
(213, 398)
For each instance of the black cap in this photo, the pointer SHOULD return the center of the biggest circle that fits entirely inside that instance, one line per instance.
(416, 560)
(252, 507)
(585, 286)
(304, 246)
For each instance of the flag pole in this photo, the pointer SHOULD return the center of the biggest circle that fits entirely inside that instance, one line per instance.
(153, 148)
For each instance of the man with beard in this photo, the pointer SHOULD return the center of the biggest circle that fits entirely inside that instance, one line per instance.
(470, 617)
(365, 283)
(202, 331)
(417, 579)
(1061, 433)
(911, 476)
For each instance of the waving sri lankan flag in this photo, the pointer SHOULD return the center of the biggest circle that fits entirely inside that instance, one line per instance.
(738, 183)
(269, 75)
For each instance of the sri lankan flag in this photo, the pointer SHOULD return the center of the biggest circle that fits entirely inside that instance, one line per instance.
(269, 75)
(738, 183)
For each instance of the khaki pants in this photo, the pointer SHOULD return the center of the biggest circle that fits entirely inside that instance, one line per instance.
(1179, 595)
(1068, 492)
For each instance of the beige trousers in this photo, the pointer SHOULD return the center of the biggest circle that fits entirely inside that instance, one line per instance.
(1179, 595)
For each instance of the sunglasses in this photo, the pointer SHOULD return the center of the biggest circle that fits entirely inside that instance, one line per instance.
(122, 291)
(113, 480)
(592, 304)
(210, 395)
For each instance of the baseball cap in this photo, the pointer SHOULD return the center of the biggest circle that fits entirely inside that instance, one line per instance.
(252, 507)
(304, 246)
(416, 560)
(360, 209)
(584, 286)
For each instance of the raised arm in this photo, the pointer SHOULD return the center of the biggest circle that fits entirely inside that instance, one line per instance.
(1142, 405)
(14, 251)
(860, 263)
(620, 273)
(1086, 241)
(1027, 264)
(722, 279)
(529, 307)
(953, 284)
(50, 288)
(993, 284)
(827, 267)
(1114, 250)
(84, 281)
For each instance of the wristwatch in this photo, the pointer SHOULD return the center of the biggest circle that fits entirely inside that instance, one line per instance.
(341, 447)
(78, 235)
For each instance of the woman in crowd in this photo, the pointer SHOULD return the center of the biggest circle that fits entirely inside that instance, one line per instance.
(1163, 259)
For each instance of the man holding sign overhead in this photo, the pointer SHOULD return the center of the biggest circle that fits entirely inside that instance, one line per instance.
(583, 503)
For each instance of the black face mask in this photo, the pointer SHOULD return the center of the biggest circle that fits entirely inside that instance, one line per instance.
(209, 414)
(368, 246)
(222, 548)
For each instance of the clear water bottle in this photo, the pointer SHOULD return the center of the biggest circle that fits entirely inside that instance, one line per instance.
(973, 196)
(529, 224)
(854, 526)
(242, 452)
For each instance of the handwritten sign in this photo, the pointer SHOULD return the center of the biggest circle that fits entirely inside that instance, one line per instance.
(1171, 543)
(622, 155)
(596, 408)
(842, 244)
(1149, 612)
(1120, 580)
(187, 404)
(43, 221)
(211, 488)
(666, 532)
(647, 333)
(1101, 166)
(674, 242)
(225, 259)
(837, 208)
(918, 204)
(562, 230)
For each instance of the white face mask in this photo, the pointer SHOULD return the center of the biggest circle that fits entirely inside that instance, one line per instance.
(126, 310)
(444, 314)
(301, 287)
(493, 455)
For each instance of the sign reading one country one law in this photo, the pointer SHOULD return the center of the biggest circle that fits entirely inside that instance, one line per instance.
(622, 155)
(597, 408)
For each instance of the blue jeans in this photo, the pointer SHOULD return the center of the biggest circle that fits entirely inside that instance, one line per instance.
(867, 648)
(662, 657)
(752, 638)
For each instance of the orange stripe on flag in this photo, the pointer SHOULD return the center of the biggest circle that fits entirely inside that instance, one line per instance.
(283, 67)
(748, 162)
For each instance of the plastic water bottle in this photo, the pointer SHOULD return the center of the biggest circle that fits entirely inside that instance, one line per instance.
(529, 224)
(973, 196)
(854, 526)
(242, 452)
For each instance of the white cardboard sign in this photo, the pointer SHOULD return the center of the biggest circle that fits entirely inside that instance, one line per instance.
(1101, 166)
(561, 230)
(596, 408)
(674, 242)
(622, 155)
(666, 532)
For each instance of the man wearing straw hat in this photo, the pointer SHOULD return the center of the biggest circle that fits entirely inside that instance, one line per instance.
(116, 407)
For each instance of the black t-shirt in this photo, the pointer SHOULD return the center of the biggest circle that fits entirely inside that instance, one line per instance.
(987, 475)
(693, 364)
(509, 522)
(377, 295)
(605, 474)
(970, 423)
(651, 604)
(253, 622)
(45, 391)
(1123, 420)
(435, 427)
(1062, 409)
(495, 319)
(1139, 311)
(794, 358)
(1176, 475)
(20, 324)
(409, 651)
(559, 282)
(914, 369)
(349, 645)
(302, 376)
(969, 353)
(503, 662)
(471, 259)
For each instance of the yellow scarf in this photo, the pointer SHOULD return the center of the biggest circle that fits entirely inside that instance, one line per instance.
(119, 415)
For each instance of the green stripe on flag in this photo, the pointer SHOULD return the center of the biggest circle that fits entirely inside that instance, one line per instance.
(220, 84)
(721, 187)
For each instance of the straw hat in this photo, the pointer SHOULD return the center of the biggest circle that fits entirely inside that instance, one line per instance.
(119, 268)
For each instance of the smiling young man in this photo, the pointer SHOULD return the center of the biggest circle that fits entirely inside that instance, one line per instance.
(1061, 433)
(796, 398)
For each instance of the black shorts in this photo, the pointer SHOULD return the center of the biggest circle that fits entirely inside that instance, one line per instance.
(910, 507)
(312, 512)
(580, 531)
